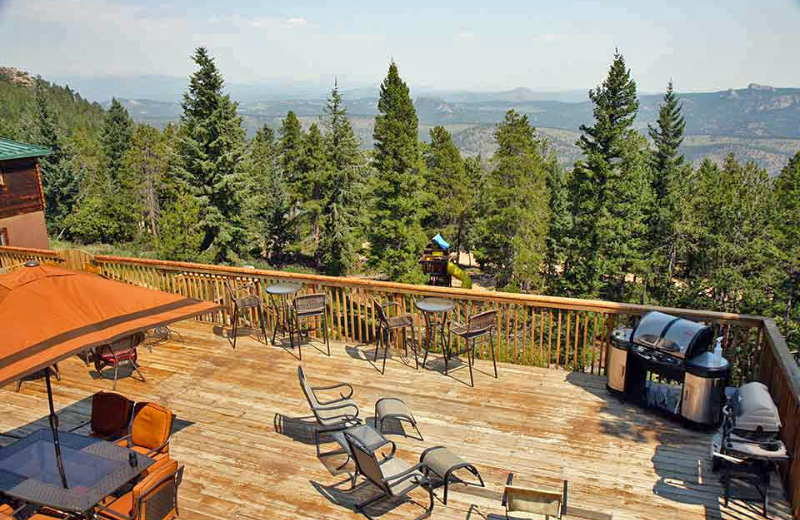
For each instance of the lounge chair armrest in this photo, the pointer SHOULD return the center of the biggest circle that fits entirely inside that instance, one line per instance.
(333, 387)
(81, 425)
(337, 407)
(405, 475)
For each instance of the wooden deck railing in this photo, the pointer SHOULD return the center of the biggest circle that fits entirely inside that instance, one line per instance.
(565, 333)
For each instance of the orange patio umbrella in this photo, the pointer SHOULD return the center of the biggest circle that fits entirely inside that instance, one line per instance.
(48, 314)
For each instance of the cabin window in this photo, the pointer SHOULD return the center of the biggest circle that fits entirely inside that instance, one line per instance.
(4, 237)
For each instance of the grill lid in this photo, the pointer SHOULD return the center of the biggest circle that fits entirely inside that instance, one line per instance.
(675, 336)
(753, 409)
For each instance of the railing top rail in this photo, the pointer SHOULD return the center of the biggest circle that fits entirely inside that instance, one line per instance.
(469, 294)
(30, 251)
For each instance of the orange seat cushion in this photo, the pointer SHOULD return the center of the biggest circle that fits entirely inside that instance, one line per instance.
(152, 426)
(6, 509)
(122, 505)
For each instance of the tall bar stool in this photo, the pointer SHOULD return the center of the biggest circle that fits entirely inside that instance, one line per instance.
(306, 307)
(241, 304)
(388, 325)
(480, 326)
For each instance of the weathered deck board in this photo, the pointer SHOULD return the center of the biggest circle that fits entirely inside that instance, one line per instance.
(543, 425)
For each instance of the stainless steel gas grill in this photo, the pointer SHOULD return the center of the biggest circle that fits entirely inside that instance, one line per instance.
(747, 447)
(677, 351)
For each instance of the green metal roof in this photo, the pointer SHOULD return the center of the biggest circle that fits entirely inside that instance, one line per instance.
(13, 150)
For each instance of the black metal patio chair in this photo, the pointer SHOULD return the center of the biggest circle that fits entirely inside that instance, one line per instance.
(392, 475)
(480, 326)
(332, 415)
(307, 307)
(387, 325)
(242, 304)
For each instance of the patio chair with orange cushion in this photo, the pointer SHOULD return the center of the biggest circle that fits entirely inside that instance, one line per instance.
(150, 432)
(118, 353)
(155, 497)
(111, 416)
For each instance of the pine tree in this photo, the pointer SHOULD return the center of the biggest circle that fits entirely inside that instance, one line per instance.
(787, 230)
(668, 173)
(396, 237)
(733, 265)
(269, 207)
(558, 179)
(291, 152)
(667, 138)
(182, 231)
(448, 187)
(146, 163)
(610, 193)
(116, 138)
(342, 191)
(314, 172)
(211, 148)
(513, 228)
(59, 181)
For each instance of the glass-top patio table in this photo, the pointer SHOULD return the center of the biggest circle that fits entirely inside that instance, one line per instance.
(93, 468)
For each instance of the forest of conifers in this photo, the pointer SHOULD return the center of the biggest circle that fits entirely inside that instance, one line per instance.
(630, 221)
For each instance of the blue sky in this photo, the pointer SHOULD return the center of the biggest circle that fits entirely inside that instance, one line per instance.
(562, 44)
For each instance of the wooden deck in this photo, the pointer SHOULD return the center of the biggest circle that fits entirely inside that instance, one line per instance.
(245, 437)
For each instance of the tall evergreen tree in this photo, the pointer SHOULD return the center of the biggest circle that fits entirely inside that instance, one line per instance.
(667, 138)
(116, 138)
(342, 191)
(146, 163)
(269, 206)
(396, 236)
(558, 244)
(513, 228)
(58, 178)
(787, 229)
(609, 189)
(211, 149)
(733, 265)
(314, 172)
(292, 147)
(448, 186)
(668, 172)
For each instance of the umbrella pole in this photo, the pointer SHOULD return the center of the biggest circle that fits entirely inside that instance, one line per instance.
(54, 427)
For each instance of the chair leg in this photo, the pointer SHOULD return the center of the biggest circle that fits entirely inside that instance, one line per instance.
(425, 357)
(292, 327)
(116, 371)
(57, 372)
(470, 359)
(414, 346)
(19, 385)
(235, 324)
(386, 352)
(378, 343)
(263, 323)
(494, 361)
(136, 367)
(327, 341)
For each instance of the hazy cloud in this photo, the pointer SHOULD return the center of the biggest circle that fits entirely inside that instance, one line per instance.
(465, 35)
(297, 22)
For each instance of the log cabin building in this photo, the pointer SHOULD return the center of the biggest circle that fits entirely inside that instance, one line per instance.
(22, 222)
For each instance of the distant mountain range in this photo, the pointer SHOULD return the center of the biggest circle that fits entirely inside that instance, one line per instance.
(758, 123)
